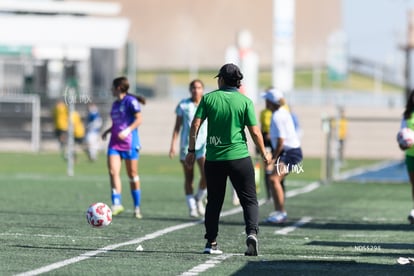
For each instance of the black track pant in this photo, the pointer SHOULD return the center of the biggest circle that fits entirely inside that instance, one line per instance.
(241, 175)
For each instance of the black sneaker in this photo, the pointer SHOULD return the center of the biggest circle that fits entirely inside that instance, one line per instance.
(252, 245)
(212, 248)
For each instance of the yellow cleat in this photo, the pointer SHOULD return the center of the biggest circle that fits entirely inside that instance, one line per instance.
(137, 213)
(117, 209)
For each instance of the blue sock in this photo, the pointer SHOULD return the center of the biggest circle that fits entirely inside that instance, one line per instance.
(136, 197)
(116, 198)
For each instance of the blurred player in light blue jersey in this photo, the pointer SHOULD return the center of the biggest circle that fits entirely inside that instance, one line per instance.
(124, 144)
(185, 112)
(93, 128)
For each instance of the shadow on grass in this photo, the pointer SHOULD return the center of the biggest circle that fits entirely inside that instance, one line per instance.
(359, 226)
(364, 246)
(329, 226)
(340, 226)
(320, 267)
(345, 225)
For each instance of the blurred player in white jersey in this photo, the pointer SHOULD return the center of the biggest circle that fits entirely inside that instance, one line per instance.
(287, 153)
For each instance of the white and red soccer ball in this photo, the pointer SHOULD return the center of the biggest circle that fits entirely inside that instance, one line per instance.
(99, 215)
(405, 138)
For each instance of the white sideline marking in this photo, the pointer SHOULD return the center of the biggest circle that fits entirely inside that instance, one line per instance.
(194, 271)
(151, 236)
(207, 265)
(105, 249)
(307, 189)
(288, 229)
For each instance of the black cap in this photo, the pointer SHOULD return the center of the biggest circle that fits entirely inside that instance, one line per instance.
(230, 72)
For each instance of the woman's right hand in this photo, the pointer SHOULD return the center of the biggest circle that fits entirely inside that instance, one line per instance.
(171, 154)
(267, 158)
(270, 164)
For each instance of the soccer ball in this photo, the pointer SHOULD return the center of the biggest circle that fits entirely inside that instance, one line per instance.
(405, 138)
(99, 215)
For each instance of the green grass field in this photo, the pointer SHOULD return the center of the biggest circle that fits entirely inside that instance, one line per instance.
(347, 228)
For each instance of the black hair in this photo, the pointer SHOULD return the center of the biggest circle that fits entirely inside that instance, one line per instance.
(231, 75)
(194, 82)
(121, 82)
(232, 82)
(409, 107)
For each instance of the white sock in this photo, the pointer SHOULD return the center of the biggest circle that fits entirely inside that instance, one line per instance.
(201, 194)
(235, 196)
(191, 203)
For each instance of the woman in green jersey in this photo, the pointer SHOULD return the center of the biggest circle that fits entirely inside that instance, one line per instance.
(229, 113)
(408, 122)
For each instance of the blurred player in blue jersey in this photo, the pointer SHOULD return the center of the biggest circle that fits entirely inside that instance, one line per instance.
(124, 144)
(93, 128)
(185, 111)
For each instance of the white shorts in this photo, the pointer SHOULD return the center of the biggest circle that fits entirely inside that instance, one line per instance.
(199, 153)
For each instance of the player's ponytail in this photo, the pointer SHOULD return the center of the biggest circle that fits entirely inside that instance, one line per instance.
(140, 99)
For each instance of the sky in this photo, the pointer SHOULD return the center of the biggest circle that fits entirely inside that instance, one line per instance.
(375, 28)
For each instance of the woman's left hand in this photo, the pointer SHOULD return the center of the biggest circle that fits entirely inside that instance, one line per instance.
(124, 133)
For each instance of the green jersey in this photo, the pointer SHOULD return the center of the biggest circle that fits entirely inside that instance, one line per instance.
(228, 112)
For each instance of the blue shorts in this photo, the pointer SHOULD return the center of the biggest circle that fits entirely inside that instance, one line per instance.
(132, 154)
(291, 158)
